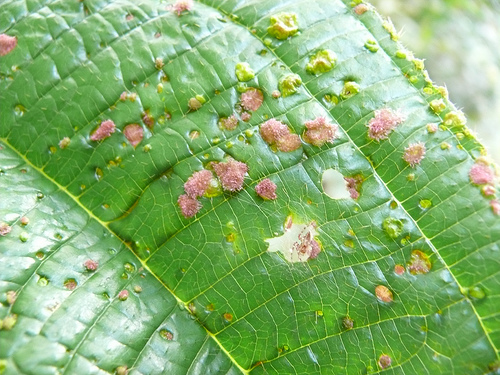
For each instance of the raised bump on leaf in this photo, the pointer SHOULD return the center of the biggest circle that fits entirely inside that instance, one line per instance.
(320, 131)
(123, 295)
(228, 123)
(384, 361)
(24, 221)
(384, 294)
(252, 99)
(11, 296)
(5, 229)
(104, 130)
(198, 183)
(134, 134)
(481, 173)
(283, 25)
(63, 143)
(189, 206)
(266, 189)
(321, 62)
(419, 263)
(244, 72)
(392, 226)
(91, 265)
(289, 84)
(182, 6)
(414, 154)
(360, 9)
(7, 44)
(495, 206)
(275, 133)
(384, 122)
(350, 89)
(347, 322)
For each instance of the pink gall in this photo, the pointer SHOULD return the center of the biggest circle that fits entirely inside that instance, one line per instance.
(252, 99)
(134, 134)
(229, 123)
(414, 154)
(320, 131)
(231, 174)
(182, 6)
(7, 44)
(266, 189)
(189, 206)
(198, 183)
(288, 143)
(272, 130)
(104, 131)
(481, 173)
(384, 122)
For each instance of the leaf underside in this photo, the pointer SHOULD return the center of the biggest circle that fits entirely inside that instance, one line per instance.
(205, 296)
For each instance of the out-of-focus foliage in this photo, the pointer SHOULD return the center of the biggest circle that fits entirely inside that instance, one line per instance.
(460, 39)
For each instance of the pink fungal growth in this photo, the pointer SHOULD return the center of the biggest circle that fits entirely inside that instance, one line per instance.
(495, 206)
(252, 99)
(414, 153)
(231, 174)
(272, 130)
(354, 185)
(246, 116)
(104, 131)
(91, 265)
(320, 131)
(198, 183)
(384, 122)
(181, 6)
(229, 123)
(275, 132)
(123, 295)
(7, 44)
(189, 206)
(288, 143)
(488, 190)
(481, 173)
(266, 189)
(134, 134)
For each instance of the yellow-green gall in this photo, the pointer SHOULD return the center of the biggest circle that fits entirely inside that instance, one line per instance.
(321, 62)
(283, 25)
(289, 84)
(438, 105)
(244, 72)
(371, 45)
(455, 119)
(349, 89)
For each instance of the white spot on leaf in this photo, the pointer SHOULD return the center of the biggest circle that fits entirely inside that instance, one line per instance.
(297, 244)
(334, 184)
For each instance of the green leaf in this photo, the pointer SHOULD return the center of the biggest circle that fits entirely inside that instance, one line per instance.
(102, 272)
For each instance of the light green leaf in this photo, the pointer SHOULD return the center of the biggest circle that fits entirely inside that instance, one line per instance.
(110, 276)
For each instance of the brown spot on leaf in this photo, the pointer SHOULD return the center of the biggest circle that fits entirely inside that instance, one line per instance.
(104, 131)
(134, 134)
(231, 174)
(383, 293)
(419, 263)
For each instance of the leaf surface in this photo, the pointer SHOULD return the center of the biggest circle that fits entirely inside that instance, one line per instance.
(412, 263)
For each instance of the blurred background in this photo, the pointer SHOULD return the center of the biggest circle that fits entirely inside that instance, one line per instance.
(460, 41)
